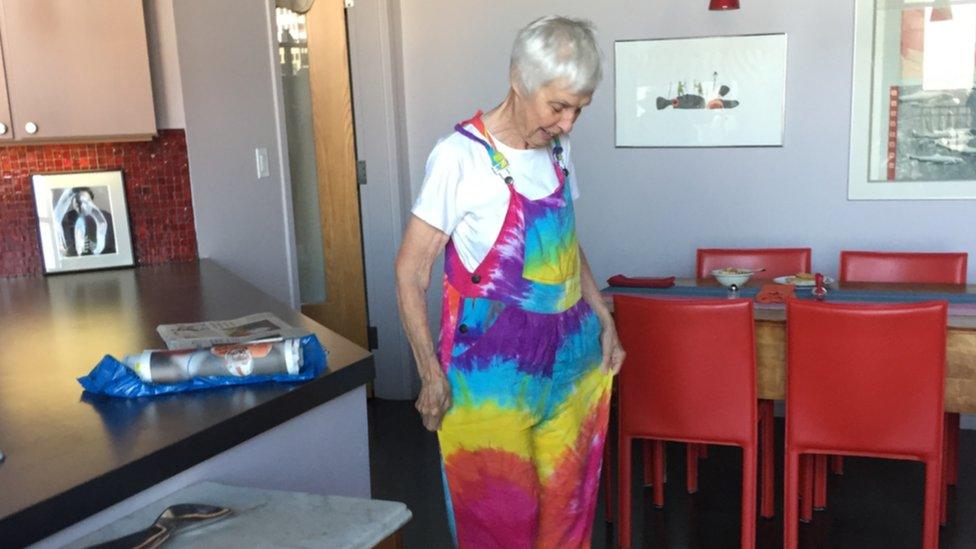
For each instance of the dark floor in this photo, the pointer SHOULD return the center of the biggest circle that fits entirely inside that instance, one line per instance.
(877, 503)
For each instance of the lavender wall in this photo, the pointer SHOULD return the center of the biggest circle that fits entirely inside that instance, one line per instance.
(646, 210)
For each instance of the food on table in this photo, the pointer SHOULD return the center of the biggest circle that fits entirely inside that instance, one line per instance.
(733, 271)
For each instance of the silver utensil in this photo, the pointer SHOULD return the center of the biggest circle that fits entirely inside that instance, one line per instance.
(175, 518)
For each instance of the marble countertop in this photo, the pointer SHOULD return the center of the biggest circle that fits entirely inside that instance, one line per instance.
(269, 518)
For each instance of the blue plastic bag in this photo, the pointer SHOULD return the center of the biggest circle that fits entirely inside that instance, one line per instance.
(113, 378)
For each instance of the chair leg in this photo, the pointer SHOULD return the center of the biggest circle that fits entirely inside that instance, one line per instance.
(647, 447)
(944, 484)
(623, 490)
(837, 465)
(934, 490)
(748, 535)
(952, 455)
(703, 451)
(691, 460)
(806, 498)
(768, 479)
(607, 481)
(820, 480)
(791, 493)
(659, 473)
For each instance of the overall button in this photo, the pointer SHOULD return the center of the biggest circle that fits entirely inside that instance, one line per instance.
(476, 279)
(509, 180)
(463, 328)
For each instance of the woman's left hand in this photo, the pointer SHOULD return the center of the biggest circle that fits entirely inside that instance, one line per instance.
(613, 352)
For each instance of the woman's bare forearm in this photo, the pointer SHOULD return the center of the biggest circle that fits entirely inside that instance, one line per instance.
(412, 303)
(422, 244)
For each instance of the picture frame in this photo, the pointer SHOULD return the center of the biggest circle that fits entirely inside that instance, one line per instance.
(913, 105)
(714, 91)
(82, 221)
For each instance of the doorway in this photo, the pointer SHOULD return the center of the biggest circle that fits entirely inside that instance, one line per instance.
(317, 97)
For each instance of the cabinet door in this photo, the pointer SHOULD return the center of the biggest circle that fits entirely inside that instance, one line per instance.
(77, 69)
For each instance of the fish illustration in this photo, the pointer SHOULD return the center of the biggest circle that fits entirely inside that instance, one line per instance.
(960, 144)
(937, 159)
(936, 134)
(930, 97)
(683, 100)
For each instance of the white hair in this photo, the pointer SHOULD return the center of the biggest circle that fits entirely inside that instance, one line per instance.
(552, 48)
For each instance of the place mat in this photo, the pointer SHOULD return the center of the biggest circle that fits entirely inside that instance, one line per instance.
(775, 293)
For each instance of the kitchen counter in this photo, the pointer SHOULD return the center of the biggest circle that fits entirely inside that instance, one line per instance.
(70, 455)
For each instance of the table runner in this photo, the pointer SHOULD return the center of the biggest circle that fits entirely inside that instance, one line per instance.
(960, 303)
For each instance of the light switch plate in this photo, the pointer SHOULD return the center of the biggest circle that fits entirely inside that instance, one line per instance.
(261, 162)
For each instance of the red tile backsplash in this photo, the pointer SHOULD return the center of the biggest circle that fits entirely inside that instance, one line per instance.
(157, 189)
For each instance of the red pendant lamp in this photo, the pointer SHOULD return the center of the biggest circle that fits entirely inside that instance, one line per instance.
(722, 5)
(941, 14)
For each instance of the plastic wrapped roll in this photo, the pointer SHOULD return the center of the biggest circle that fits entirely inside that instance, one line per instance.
(238, 360)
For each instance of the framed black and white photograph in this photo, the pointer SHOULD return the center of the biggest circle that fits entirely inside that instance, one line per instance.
(83, 221)
(719, 91)
(913, 123)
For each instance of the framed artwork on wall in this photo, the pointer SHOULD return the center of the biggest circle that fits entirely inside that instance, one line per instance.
(83, 221)
(720, 91)
(913, 116)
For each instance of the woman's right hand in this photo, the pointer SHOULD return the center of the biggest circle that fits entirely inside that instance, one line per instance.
(435, 398)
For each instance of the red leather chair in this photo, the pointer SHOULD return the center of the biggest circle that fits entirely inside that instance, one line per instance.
(689, 376)
(776, 261)
(919, 267)
(933, 268)
(891, 408)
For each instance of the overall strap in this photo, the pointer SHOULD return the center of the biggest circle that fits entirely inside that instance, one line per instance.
(499, 163)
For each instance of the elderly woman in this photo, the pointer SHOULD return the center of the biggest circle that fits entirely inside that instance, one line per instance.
(519, 386)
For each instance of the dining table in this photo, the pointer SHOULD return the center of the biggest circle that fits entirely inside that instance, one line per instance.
(770, 325)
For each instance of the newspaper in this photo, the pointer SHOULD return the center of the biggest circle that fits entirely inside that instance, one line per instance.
(258, 327)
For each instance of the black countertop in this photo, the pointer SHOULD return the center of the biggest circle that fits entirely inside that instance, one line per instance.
(69, 454)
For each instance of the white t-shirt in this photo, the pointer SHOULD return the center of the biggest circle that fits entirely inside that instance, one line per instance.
(463, 197)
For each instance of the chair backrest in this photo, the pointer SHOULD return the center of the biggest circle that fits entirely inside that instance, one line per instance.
(776, 261)
(866, 378)
(933, 268)
(690, 370)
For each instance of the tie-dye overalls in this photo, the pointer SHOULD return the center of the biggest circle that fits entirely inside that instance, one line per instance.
(523, 440)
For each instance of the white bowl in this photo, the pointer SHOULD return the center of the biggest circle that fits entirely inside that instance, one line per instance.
(730, 279)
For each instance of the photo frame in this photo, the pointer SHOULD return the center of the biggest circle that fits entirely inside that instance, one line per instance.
(83, 221)
(913, 108)
(718, 91)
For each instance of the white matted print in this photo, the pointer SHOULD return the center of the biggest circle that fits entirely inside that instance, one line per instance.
(83, 221)
(723, 91)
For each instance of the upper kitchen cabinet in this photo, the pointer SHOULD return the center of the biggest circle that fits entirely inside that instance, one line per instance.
(75, 70)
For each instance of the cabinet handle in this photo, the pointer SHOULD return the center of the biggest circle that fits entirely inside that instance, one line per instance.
(3, 129)
(30, 127)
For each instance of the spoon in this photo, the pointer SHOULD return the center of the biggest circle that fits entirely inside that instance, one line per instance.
(173, 519)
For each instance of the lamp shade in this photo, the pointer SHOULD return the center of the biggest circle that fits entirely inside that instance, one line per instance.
(941, 14)
(717, 5)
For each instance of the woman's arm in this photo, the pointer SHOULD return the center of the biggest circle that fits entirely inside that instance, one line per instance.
(613, 353)
(421, 245)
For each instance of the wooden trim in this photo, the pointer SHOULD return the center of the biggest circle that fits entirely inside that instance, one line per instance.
(345, 307)
(394, 541)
